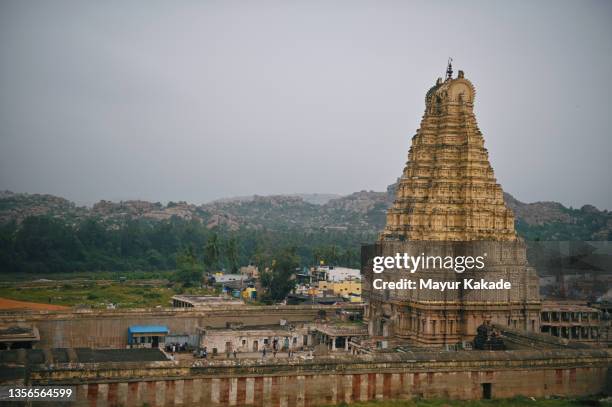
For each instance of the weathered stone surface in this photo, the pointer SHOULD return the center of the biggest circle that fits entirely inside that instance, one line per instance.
(457, 375)
(447, 190)
(448, 203)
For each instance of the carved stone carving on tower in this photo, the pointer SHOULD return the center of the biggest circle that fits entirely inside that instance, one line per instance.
(448, 203)
(447, 190)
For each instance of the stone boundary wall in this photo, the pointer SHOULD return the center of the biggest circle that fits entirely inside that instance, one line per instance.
(108, 328)
(455, 375)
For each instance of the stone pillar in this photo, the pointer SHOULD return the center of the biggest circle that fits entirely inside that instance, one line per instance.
(346, 343)
(333, 339)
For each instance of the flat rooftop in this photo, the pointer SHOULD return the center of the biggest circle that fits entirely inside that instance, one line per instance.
(566, 306)
(245, 328)
(207, 300)
(18, 334)
(79, 355)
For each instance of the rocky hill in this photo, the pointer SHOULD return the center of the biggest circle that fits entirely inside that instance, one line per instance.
(17, 207)
(362, 211)
(553, 221)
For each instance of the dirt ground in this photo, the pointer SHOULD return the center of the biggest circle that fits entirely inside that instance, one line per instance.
(5, 303)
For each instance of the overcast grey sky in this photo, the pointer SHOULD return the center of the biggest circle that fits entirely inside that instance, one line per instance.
(202, 100)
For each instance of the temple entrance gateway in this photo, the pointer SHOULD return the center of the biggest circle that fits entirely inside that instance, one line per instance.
(449, 204)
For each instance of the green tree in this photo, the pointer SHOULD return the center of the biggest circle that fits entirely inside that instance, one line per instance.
(49, 245)
(279, 280)
(188, 271)
(211, 252)
(231, 254)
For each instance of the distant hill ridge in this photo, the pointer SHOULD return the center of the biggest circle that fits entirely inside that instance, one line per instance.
(360, 211)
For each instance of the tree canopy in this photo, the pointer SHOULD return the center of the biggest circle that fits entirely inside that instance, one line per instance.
(47, 245)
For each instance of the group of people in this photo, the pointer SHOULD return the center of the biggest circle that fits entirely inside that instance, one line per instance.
(173, 347)
(264, 352)
(201, 353)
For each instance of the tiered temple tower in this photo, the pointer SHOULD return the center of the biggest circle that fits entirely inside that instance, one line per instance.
(448, 203)
(448, 190)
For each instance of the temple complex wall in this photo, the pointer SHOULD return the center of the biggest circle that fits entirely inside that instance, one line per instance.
(108, 328)
(456, 375)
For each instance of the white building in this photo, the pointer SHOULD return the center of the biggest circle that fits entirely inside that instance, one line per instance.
(342, 274)
(253, 338)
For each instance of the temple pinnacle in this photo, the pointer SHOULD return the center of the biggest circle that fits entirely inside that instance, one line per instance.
(449, 69)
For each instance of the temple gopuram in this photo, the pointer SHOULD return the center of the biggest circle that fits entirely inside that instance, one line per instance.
(448, 203)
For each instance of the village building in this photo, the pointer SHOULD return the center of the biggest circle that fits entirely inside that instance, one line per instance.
(254, 338)
(147, 336)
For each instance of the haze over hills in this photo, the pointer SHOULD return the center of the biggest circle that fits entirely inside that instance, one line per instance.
(362, 211)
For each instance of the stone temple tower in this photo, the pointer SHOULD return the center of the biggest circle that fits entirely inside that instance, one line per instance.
(448, 203)
(448, 190)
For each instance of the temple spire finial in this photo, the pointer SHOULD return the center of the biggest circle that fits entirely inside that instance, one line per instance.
(449, 69)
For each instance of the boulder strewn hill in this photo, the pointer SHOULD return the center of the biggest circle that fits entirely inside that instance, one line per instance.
(362, 211)
(553, 221)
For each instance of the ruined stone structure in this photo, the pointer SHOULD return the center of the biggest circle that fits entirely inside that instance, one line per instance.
(575, 322)
(448, 203)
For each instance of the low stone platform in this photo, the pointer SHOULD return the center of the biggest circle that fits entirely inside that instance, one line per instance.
(333, 379)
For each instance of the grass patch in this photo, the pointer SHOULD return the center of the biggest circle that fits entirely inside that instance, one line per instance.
(513, 402)
(89, 275)
(100, 295)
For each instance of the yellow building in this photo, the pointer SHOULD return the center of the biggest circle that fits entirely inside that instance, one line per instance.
(249, 293)
(341, 288)
(355, 298)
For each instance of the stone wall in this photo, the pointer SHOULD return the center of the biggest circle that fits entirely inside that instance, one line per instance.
(456, 375)
(108, 328)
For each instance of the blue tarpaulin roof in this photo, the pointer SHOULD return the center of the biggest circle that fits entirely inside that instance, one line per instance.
(148, 329)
